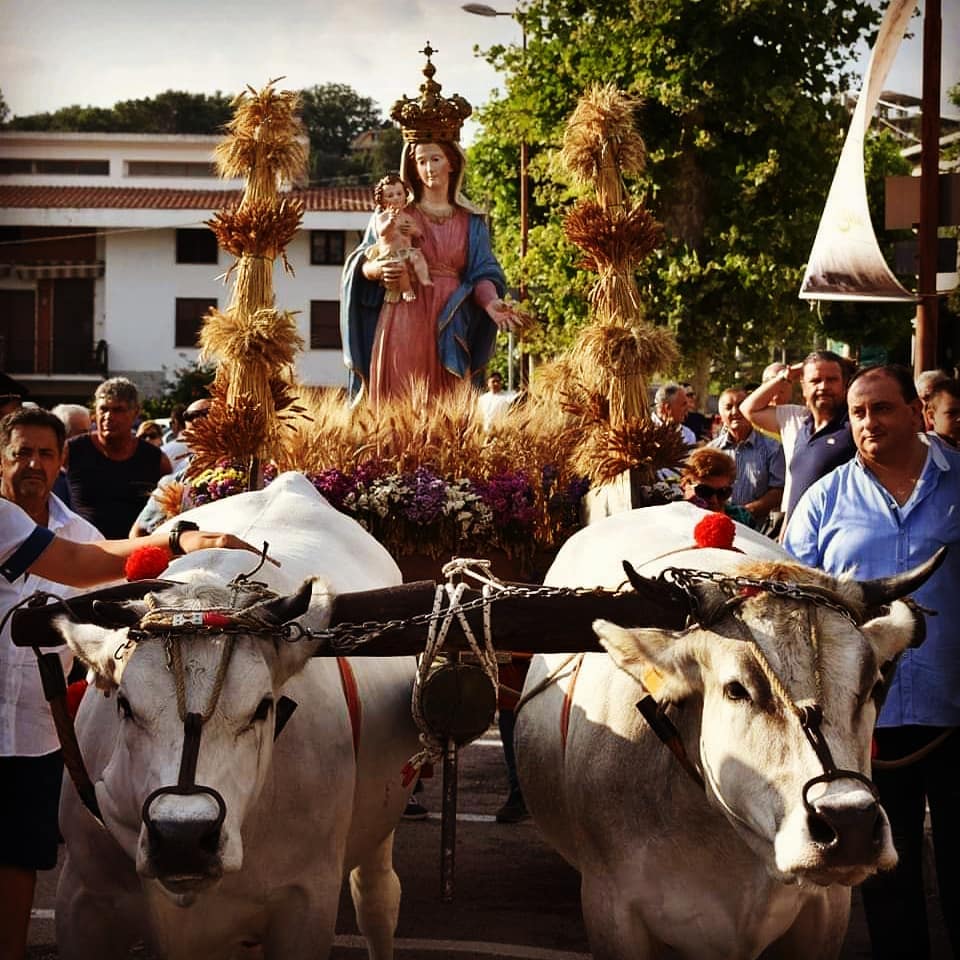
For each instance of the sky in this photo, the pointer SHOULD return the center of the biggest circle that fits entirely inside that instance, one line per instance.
(55, 53)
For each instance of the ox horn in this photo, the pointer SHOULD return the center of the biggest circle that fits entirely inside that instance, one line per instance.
(109, 613)
(286, 608)
(660, 594)
(880, 592)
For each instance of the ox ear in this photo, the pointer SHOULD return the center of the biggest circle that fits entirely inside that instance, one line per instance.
(901, 627)
(105, 652)
(661, 661)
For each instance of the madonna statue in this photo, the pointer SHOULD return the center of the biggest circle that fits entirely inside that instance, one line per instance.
(447, 331)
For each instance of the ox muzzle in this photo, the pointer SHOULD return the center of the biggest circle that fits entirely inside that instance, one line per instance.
(184, 822)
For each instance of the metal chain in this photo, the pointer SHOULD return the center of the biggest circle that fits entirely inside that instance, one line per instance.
(686, 579)
(346, 637)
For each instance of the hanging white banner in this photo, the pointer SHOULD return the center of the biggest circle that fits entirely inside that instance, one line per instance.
(846, 262)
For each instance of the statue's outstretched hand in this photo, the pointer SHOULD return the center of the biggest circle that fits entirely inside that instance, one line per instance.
(506, 315)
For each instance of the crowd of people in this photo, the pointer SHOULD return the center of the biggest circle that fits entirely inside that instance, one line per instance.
(861, 475)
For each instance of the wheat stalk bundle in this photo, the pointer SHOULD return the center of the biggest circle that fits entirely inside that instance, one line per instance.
(619, 240)
(601, 144)
(264, 142)
(637, 444)
(258, 229)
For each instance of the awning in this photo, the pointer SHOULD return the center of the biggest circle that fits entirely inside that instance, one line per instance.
(53, 269)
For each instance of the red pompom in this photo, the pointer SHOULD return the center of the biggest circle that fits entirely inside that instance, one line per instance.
(75, 692)
(715, 530)
(146, 563)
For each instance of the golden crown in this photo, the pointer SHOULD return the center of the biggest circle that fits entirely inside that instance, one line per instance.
(432, 117)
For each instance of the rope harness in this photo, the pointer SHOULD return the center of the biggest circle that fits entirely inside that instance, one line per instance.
(172, 625)
(433, 746)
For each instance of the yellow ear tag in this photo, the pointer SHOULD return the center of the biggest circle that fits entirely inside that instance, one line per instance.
(652, 679)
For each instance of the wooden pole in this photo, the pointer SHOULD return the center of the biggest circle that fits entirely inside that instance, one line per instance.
(925, 354)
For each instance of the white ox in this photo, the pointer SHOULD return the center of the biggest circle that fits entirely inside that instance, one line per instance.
(299, 812)
(741, 868)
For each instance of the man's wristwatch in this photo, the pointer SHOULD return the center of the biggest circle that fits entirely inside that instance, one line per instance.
(175, 531)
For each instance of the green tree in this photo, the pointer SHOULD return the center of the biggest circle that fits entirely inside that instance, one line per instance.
(334, 115)
(742, 123)
(171, 112)
(4, 109)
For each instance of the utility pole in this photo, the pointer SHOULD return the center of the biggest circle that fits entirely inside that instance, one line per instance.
(927, 322)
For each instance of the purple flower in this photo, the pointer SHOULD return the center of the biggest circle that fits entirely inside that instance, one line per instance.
(510, 497)
(332, 484)
(429, 496)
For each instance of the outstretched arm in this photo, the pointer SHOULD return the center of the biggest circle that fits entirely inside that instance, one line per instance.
(86, 564)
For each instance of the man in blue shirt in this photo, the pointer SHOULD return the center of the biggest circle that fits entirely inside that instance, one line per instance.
(758, 486)
(881, 513)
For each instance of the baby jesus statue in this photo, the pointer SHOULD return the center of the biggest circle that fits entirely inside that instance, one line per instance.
(397, 237)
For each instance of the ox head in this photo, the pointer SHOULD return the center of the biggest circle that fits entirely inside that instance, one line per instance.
(191, 719)
(748, 671)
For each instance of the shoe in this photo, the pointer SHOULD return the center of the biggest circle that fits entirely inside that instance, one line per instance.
(514, 810)
(415, 810)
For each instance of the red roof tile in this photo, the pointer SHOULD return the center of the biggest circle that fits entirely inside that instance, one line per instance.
(348, 199)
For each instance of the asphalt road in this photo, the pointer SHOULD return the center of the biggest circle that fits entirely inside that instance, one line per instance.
(513, 897)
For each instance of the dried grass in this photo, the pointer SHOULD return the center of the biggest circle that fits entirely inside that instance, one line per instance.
(264, 143)
(601, 144)
(258, 229)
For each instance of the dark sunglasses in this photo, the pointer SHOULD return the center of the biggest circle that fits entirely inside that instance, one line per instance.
(190, 416)
(705, 492)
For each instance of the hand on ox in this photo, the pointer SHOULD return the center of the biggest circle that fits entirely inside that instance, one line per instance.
(191, 540)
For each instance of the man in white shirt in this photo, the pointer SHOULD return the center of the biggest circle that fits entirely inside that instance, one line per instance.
(495, 402)
(670, 405)
(31, 451)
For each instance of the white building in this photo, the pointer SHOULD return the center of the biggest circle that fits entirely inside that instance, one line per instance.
(106, 267)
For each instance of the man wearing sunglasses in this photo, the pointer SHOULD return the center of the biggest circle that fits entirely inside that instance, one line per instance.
(177, 449)
(152, 515)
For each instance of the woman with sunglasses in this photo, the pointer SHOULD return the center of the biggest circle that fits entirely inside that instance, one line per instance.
(707, 481)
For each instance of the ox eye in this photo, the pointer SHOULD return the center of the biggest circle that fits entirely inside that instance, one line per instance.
(262, 711)
(734, 690)
(123, 706)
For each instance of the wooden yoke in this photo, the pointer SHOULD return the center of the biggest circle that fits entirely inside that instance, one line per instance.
(550, 621)
(537, 620)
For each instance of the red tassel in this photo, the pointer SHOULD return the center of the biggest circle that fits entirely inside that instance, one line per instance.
(715, 530)
(75, 692)
(146, 563)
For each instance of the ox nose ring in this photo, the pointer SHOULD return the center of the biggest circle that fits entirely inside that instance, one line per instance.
(850, 831)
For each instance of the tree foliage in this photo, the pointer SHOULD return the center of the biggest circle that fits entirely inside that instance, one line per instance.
(742, 124)
(334, 114)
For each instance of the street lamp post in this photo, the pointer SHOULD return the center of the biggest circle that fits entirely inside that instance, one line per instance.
(482, 10)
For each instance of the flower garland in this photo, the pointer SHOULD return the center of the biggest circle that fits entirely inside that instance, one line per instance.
(422, 512)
